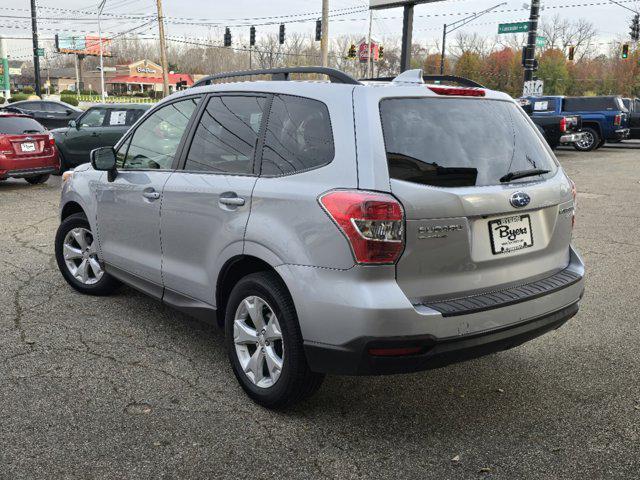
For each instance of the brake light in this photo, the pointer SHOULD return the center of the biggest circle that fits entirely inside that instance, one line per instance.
(461, 92)
(373, 223)
(617, 121)
(563, 125)
(52, 141)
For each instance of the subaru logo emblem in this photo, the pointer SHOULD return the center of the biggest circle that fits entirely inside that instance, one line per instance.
(519, 199)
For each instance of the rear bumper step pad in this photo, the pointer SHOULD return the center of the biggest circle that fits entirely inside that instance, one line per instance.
(503, 298)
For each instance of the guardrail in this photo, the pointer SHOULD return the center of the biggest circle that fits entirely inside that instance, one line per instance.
(98, 99)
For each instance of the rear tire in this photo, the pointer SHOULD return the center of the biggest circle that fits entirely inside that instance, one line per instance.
(590, 142)
(77, 258)
(37, 179)
(264, 296)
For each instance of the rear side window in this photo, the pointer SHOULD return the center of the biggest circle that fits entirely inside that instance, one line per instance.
(54, 107)
(298, 136)
(123, 118)
(459, 142)
(226, 137)
(19, 125)
(588, 104)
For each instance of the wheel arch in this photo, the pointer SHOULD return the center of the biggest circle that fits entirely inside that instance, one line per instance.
(70, 208)
(595, 125)
(232, 272)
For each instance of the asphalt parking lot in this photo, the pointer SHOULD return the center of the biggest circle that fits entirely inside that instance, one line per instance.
(122, 387)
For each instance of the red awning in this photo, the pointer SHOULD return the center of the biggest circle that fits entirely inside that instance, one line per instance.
(173, 78)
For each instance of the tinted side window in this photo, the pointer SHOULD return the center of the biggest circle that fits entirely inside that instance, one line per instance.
(156, 140)
(93, 118)
(298, 137)
(226, 137)
(30, 106)
(54, 107)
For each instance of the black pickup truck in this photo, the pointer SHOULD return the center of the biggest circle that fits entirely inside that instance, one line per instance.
(633, 105)
(557, 129)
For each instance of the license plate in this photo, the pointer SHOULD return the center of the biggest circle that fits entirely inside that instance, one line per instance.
(28, 147)
(510, 233)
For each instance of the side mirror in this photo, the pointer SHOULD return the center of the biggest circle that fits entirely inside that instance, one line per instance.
(73, 124)
(104, 159)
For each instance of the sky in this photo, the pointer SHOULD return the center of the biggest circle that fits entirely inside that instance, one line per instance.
(206, 18)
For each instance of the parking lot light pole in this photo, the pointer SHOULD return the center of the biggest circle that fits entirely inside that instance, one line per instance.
(446, 29)
(102, 92)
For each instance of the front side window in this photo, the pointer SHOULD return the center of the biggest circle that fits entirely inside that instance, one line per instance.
(155, 142)
(54, 107)
(93, 118)
(226, 137)
(456, 142)
(299, 136)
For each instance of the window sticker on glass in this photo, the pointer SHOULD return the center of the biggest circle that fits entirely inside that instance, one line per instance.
(118, 117)
(538, 106)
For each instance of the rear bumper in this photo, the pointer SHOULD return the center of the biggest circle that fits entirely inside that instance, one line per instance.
(344, 313)
(29, 166)
(354, 358)
(622, 133)
(572, 137)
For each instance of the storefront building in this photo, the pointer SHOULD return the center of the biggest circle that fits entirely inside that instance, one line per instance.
(142, 76)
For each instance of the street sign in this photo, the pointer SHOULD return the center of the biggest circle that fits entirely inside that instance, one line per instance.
(533, 88)
(541, 42)
(519, 27)
(40, 52)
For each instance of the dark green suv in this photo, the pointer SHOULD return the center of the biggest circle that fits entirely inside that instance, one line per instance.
(100, 126)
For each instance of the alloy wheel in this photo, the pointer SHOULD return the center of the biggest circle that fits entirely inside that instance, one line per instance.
(81, 256)
(587, 140)
(258, 341)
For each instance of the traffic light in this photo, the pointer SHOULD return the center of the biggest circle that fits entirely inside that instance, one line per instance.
(227, 37)
(380, 52)
(252, 36)
(625, 50)
(318, 30)
(572, 52)
(352, 51)
(634, 33)
(281, 37)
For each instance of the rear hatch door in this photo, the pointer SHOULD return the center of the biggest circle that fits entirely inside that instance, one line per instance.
(466, 230)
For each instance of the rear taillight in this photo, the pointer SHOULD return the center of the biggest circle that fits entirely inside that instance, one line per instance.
(617, 121)
(372, 222)
(52, 141)
(563, 125)
(460, 92)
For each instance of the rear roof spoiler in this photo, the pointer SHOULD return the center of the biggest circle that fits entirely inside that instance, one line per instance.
(465, 82)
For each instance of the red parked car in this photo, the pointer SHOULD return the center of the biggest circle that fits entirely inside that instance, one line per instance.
(27, 149)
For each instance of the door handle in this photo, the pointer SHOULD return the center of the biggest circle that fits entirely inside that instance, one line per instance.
(235, 201)
(151, 195)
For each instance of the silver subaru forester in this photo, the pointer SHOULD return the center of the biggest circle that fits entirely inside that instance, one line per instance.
(340, 227)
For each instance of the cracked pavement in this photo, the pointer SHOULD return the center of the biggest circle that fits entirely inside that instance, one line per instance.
(123, 387)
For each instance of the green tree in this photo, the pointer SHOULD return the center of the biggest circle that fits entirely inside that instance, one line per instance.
(553, 70)
(469, 65)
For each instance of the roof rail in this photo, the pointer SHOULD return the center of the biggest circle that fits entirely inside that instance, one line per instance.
(336, 76)
(433, 78)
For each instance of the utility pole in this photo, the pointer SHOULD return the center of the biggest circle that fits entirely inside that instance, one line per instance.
(369, 59)
(530, 50)
(163, 50)
(444, 43)
(407, 30)
(36, 59)
(324, 40)
(6, 85)
(102, 92)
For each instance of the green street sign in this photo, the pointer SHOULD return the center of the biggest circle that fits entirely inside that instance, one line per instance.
(541, 42)
(519, 27)
(40, 52)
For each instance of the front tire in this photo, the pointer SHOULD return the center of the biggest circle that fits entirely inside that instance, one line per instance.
(590, 141)
(37, 179)
(77, 257)
(264, 343)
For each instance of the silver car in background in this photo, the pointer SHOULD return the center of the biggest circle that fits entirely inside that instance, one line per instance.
(332, 227)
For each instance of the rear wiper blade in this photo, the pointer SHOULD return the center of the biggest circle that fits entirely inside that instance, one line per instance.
(522, 174)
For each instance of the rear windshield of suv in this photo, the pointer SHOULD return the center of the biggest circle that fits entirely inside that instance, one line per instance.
(458, 142)
(19, 125)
